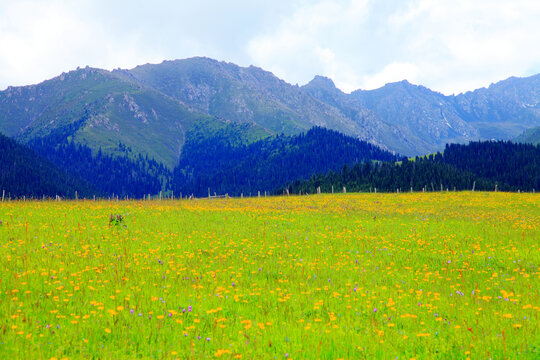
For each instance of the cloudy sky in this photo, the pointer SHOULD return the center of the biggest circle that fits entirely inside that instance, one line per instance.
(448, 45)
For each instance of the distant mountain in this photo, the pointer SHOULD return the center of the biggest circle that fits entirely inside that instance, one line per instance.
(152, 108)
(25, 173)
(409, 119)
(503, 110)
(529, 136)
(241, 95)
(422, 121)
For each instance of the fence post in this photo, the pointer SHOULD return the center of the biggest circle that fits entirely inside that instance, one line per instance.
(3, 195)
(344, 190)
(259, 193)
(473, 185)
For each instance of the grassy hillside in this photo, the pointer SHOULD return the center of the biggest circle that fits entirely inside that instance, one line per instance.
(114, 111)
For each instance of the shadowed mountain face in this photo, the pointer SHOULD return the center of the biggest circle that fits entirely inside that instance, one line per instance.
(529, 136)
(503, 110)
(151, 108)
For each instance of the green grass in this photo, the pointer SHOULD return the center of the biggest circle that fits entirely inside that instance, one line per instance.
(450, 275)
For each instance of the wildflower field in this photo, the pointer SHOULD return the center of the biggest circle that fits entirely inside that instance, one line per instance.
(353, 276)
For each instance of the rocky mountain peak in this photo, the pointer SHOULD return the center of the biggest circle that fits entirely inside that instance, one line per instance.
(322, 83)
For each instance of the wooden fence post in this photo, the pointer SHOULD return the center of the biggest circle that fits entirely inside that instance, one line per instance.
(473, 185)
(3, 195)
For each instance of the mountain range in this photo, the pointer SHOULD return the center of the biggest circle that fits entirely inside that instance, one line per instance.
(152, 108)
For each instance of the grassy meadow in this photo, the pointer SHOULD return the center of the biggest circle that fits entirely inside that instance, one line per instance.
(352, 276)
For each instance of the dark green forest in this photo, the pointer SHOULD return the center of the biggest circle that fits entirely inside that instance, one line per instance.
(224, 167)
(480, 165)
(221, 164)
(25, 173)
(112, 175)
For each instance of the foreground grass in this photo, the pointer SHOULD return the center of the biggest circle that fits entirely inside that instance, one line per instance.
(330, 276)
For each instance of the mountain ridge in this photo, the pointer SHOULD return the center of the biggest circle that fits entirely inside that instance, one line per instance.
(152, 107)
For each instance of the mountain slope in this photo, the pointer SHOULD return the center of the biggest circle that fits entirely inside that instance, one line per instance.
(426, 118)
(504, 109)
(241, 95)
(529, 136)
(423, 120)
(101, 110)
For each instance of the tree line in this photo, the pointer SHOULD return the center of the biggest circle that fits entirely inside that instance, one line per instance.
(216, 164)
(487, 165)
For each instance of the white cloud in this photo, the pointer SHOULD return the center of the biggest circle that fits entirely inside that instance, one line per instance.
(461, 45)
(41, 40)
(448, 45)
(304, 44)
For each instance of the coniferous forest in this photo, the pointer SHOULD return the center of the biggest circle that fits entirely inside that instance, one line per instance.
(216, 165)
(112, 175)
(485, 165)
(24, 173)
(319, 158)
